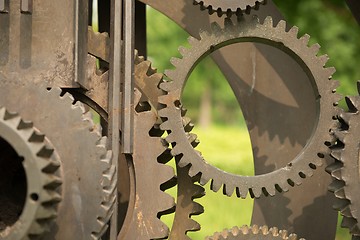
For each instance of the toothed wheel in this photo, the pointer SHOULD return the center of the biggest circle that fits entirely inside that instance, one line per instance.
(253, 233)
(345, 169)
(229, 6)
(88, 187)
(311, 156)
(29, 179)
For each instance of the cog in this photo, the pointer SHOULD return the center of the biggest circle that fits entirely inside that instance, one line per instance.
(298, 168)
(229, 7)
(253, 233)
(88, 184)
(41, 165)
(345, 169)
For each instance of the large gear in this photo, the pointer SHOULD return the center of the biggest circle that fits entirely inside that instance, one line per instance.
(41, 164)
(345, 169)
(229, 6)
(88, 184)
(306, 161)
(253, 233)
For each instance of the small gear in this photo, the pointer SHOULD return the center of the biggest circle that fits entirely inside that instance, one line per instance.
(304, 164)
(229, 7)
(88, 184)
(41, 164)
(345, 169)
(253, 233)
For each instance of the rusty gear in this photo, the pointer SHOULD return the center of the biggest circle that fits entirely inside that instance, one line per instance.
(88, 194)
(229, 6)
(41, 166)
(250, 30)
(345, 169)
(253, 233)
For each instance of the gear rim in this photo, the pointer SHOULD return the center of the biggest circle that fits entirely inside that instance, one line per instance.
(41, 164)
(286, 41)
(229, 7)
(253, 233)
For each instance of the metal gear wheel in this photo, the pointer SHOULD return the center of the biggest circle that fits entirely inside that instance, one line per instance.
(253, 233)
(229, 6)
(88, 187)
(41, 164)
(162, 177)
(304, 164)
(345, 169)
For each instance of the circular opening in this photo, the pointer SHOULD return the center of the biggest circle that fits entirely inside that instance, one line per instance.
(13, 185)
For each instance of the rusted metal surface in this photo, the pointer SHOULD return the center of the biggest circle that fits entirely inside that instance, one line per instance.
(41, 47)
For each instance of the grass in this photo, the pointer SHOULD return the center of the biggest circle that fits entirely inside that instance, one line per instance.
(220, 149)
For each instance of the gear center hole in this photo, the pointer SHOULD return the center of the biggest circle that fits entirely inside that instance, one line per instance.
(13, 185)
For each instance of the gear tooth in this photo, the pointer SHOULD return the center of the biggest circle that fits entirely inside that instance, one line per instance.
(197, 209)
(241, 193)
(204, 179)
(346, 211)
(315, 48)
(274, 231)
(36, 137)
(192, 225)
(46, 213)
(228, 189)
(330, 72)
(52, 183)
(204, 34)
(269, 21)
(334, 166)
(281, 25)
(215, 185)
(345, 117)
(348, 222)
(228, 23)
(193, 41)
(183, 50)
(192, 171)
(188, 125)
(52, 197)
(353, 103)
(336, 174)
(305, 39)
(336, 153)
(36, 229)
(283, 234)
(340, 204)
(340, 135)
(171, 138)
(255, 229)
(294, 31)
(24, 125)
(323, 59)
(244, 229)
(292, 236)
(256, 192)
(215, 27)
(176, 62)
(265, 230)
(335, 185)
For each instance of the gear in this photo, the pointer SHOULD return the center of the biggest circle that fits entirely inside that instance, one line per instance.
(345, 169)
(146, 81)
(88, 187)
(41, 165)
(253, 233)
(229, 6)
(324, 89)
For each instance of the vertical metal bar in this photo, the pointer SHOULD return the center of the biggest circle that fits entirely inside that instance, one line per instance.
(128, 85)
(114, 96)
(140, 28)
(4, 6)
(26, 6)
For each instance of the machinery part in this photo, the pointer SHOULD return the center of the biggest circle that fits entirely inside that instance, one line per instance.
(253, 233)
(345, 169)
(306, 161)
(88, 186)
(29, 215)
(152, 178)
(229, 6)
(146, 81)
